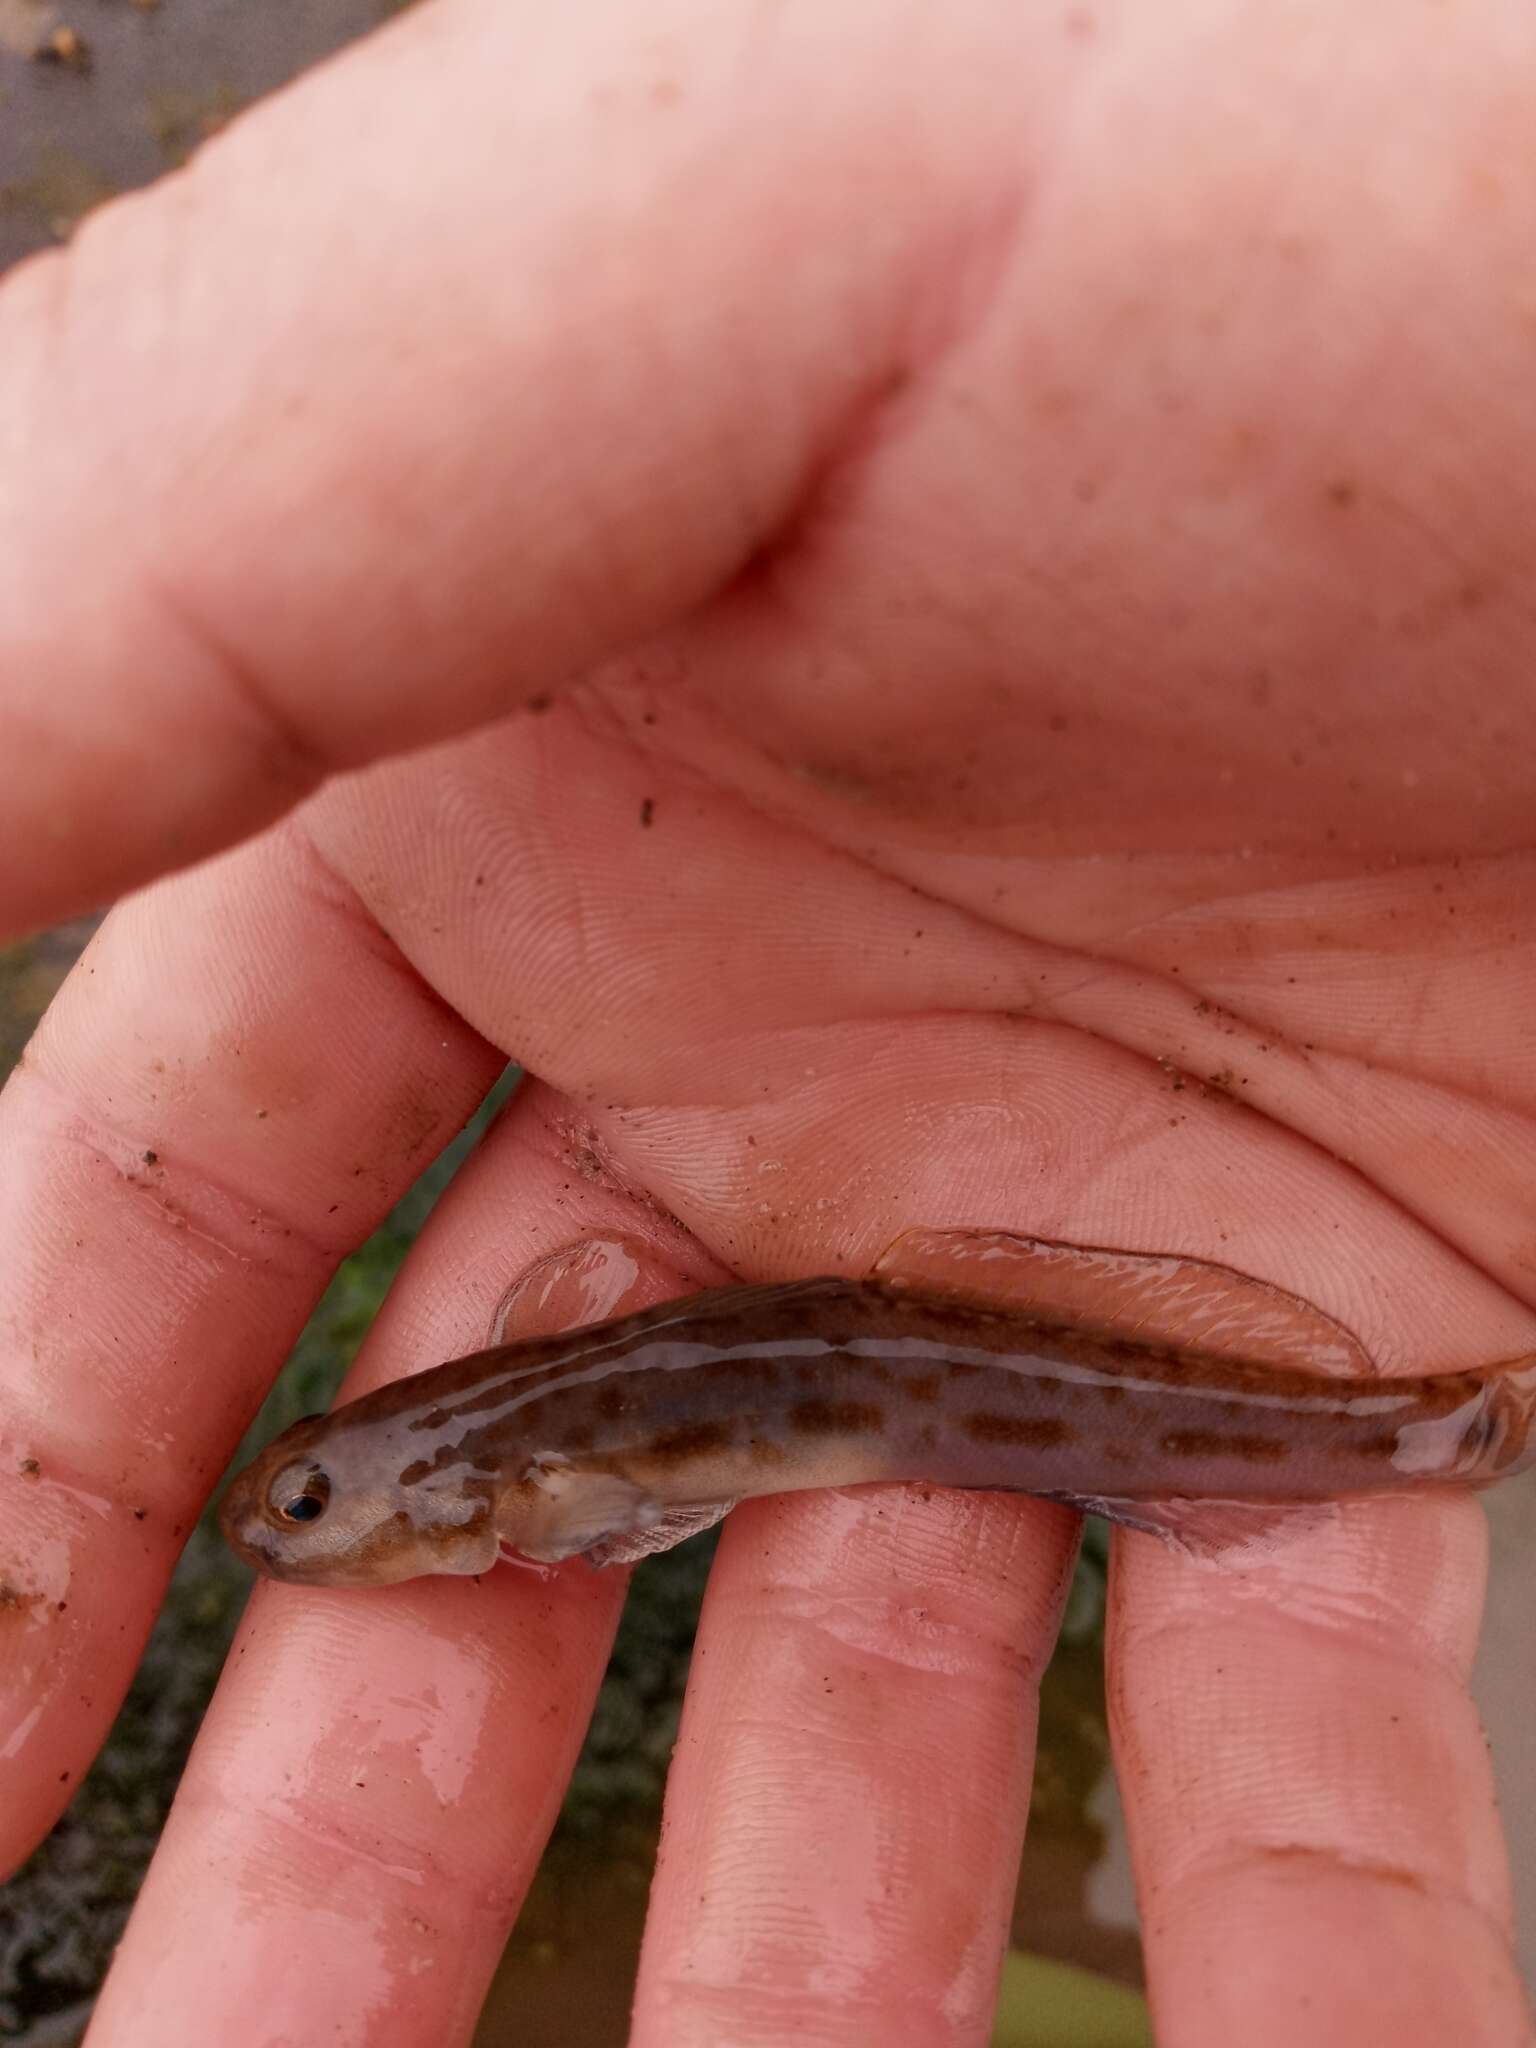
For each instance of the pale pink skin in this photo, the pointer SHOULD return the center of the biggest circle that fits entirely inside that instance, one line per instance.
(1126, 414)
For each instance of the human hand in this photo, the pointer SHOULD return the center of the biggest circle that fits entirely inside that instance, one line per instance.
(1035, 532)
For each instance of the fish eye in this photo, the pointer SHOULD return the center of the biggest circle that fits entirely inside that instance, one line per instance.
(300, 1496)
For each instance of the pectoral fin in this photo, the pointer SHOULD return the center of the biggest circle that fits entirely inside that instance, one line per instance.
(576, 1510)
(602, 1517)
(674, 1527)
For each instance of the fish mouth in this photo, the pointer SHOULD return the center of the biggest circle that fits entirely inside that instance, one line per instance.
(240, 1523)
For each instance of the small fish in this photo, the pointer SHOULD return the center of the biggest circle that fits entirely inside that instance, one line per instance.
(967, 1359)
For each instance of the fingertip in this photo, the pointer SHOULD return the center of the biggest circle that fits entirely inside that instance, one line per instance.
(1305, 1779)
(850, 1786)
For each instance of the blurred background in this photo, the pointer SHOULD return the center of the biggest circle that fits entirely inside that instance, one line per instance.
(98, 95)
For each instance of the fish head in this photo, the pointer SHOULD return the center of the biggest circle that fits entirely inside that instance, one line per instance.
(328, 1505)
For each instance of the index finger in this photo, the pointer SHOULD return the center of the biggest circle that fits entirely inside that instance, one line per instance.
(379, 1770)
(233, 1088)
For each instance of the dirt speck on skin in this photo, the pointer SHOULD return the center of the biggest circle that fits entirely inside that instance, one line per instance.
(587, 1156)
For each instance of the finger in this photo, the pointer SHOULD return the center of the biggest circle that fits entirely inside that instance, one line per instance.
(1307, 1789)
(357, 522)
(379, 1770)
(848, 1796)
(234, 1086)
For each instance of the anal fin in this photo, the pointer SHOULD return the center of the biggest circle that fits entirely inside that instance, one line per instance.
(1202, 1528)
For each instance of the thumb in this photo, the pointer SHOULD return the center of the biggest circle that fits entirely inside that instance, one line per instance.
(498, 342)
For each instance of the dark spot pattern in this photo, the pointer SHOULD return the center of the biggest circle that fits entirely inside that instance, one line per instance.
(836, 1418)
(1382, 1445)
(690, 1440)
(1214, 1443)
(1033, 1432)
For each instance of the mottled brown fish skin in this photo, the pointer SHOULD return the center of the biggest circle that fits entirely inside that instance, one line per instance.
(752, 1390)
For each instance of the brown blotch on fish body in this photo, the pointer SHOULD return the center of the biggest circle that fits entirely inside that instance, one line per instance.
(1040, 1432)
(921, 1386)
(691, 1440)
(836, 1418)
(1383, 1446)
(1213, 1443)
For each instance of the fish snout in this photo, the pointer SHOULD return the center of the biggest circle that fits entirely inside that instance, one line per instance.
(246, 1529)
